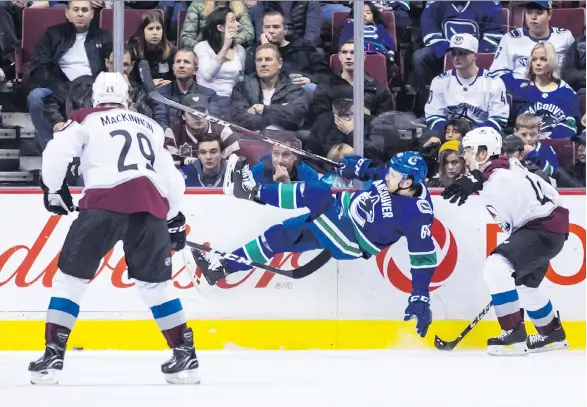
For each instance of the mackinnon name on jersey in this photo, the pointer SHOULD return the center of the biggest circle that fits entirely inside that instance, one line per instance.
(126, 117)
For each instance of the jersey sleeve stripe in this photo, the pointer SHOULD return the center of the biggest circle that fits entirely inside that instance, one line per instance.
(334, 234)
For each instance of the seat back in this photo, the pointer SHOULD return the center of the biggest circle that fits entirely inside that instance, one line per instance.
(375, 66)
(180, 20)
(564, 149)
(132, 20)
(340, 17)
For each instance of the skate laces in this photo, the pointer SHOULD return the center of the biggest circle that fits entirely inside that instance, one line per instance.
(212, 264)
(535, 338)
(505, 334)
(248, 181)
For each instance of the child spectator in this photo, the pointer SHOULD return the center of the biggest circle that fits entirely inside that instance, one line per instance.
(578, 170)
(527, 128)
(221, 59)
(337, 153)
(150, 43)
(208, 169)
(377, 38)
(456, 129)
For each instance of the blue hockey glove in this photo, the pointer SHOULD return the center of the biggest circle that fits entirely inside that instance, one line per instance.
(464, 186)
(355, 167)
(419, 308)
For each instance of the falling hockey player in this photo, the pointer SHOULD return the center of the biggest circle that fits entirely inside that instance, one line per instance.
(529, 211)
(132, 193)
(352, 225)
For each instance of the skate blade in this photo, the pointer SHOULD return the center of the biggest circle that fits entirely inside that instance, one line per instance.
(551, 346)
(184, 377)
(517, 349)
(46, 377)
(228, 185)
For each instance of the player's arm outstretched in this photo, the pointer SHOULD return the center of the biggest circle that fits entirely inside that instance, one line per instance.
(60, 151)
(363, 169)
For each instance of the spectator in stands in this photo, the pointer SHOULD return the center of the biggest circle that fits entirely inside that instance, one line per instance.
(466, 91)
(208, 169)
(578, 171)
(377, 97)
(516, 46)
(182, 139)
(221, 60)
(150, 43)
(338, 127)
(514, 147)
(282, 165)
(456, 129)
(185, 67)
(573, 70)
(441, 20)
(543, 156)
(301, 61)
(337, 153)
(330, 7)
(450, 167)
(268, 98)
(377, 39)
(401, 12)
(198, 12)
(8, 42)
(79, 96)
(65, 52)
(545, 95)
(302, 18)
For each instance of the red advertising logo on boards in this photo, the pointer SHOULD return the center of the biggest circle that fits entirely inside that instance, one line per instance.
(446, 265)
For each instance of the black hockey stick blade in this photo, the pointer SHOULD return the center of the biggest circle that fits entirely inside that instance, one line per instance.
(441, 344)
(145, 72)
(304, 271)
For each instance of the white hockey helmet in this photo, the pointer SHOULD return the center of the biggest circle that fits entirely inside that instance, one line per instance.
(110, 87)
(487, 137)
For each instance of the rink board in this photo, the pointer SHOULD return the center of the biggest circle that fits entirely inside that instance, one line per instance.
(345, 305)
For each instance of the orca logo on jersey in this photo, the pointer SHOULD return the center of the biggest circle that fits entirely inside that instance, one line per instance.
(366, 209)
(447, 251)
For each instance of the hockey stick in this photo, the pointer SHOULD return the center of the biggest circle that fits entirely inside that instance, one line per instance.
(443, 345)
(301, 272)
(145, 72)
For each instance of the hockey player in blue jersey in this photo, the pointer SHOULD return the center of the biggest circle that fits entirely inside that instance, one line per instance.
(351, 225)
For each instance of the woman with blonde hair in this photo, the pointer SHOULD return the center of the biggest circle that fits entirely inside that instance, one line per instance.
(195, 20)
(544, 94)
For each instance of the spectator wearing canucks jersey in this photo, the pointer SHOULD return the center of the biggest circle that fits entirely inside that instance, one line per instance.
(466, 91)
(377, 39)
(546, 96)
(401, 13)
(516, 46)
(543, 156)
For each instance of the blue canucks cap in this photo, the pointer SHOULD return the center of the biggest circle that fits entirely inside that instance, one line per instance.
(544, 4)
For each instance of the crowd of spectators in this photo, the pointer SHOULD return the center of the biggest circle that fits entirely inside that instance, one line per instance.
(270, 66)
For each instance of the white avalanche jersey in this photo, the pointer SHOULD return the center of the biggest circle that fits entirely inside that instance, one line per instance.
(514, 197)
(123, 161)
(483, 101)
(516, 46)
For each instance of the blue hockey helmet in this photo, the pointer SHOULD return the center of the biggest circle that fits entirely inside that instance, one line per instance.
(410, 163)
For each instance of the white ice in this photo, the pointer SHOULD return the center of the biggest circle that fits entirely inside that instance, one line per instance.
(305, 379)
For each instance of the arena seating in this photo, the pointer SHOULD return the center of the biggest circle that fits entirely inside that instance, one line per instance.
(132, 19)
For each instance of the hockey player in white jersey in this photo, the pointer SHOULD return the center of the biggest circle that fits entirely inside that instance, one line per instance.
(530, 212)
(466, 91)
(132, 193)
(514, 50)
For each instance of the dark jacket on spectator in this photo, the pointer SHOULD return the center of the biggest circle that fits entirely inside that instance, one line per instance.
(263, 171)
(161, 68)
(289, 105)
(573, 70)
(54, 43)
(299, 56)
(324, 135)
(166, 116)
(195, 177)
(377, 98)
(304, 17)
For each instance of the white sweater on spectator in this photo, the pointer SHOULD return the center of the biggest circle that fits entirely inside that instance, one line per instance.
(216, 76)
(74, 63)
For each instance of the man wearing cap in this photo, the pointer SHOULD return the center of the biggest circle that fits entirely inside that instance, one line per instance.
(182, 139)
(466, 91)
(515, 47)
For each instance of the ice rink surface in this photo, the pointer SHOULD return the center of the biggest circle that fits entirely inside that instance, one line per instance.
(305, 379)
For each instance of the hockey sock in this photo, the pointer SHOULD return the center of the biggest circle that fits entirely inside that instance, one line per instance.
(63, 307)
(498, 276)
(286, 196)
(166, 309)
(256, 250)
(539, 309)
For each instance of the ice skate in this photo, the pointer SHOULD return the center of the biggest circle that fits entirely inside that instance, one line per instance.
(182, 368)
(238, 179)
(509, 343)
(213, 271)
(555, 340)
(47, 368)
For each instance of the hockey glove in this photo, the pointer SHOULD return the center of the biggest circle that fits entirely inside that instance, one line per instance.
(419, 308)
(176, 228)
(356, 167)
(464, 186)
(60, 202)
